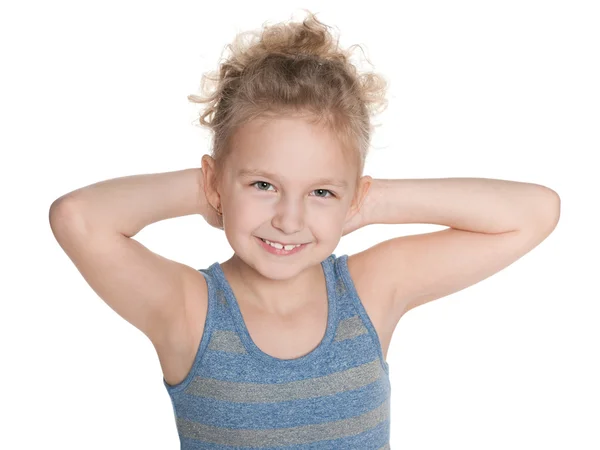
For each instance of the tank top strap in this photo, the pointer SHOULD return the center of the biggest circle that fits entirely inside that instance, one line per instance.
(225, 334)
(352, 314)
(217, 322)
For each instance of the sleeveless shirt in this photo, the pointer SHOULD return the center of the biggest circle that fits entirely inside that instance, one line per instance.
(238, 397)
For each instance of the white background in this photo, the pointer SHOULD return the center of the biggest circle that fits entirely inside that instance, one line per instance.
(508, 90)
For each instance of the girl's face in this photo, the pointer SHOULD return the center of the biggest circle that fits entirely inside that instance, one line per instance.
(287, 181)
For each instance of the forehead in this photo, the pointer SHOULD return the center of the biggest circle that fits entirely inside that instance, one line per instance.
(291, 147)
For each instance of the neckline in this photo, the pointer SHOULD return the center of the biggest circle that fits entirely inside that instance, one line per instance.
(244, 334)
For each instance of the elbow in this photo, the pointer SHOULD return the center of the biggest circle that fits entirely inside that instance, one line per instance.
(63, 217)
(544, 213)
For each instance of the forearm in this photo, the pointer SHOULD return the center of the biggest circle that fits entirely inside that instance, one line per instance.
(128, 204)
(474, 204)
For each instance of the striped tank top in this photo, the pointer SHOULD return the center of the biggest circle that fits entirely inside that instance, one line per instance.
(238, 397)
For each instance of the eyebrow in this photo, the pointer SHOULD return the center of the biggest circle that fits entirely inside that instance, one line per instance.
(258, 172)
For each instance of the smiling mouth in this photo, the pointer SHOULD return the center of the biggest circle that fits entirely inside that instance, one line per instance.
(264, 240)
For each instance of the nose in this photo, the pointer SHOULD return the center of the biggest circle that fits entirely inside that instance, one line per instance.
(289, 216)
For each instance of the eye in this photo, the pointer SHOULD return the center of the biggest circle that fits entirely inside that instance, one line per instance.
(263, 183)
(324, 190)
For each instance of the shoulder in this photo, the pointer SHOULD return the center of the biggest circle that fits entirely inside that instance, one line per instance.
(196, 293)
(369, 283)
(177, 351)
(196, 305)
(364, 275)
(375, 296)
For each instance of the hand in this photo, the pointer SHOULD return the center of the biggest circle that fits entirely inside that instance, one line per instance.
(354, 223)
(360, 218)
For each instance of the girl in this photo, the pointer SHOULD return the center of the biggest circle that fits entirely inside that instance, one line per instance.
(285, 343)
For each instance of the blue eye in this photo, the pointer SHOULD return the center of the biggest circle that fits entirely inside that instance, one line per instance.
(269, 184)
(262, 182)
(324, 190)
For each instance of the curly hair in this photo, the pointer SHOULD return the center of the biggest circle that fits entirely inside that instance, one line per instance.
(292, 69)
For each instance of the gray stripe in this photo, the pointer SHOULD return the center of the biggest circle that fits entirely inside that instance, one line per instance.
(226, 341)
(284, 436)
(231, 391)
(229, 341)
(221, 297)
(340, 287)
(385, 447)
(350, 328)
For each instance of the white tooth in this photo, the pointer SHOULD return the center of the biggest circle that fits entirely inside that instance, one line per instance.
(279, 246)
(274, 244)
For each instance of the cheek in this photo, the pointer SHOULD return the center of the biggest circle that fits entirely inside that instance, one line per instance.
(326, 225)
(243, 205)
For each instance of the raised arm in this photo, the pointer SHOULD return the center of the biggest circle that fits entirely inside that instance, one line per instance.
(94, 225)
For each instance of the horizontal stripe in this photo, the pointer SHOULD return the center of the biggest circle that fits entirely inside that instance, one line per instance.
(284, 436)
(229, 340)
(350, 328)
(239, 392)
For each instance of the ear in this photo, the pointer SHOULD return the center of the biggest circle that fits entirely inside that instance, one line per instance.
(210, 181)
(364, 184)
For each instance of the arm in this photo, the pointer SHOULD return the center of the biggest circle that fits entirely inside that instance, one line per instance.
(128, 204)
(480, 205)
(492, 223)
(94, 226)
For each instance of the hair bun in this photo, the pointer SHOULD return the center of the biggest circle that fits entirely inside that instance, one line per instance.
(291, 67)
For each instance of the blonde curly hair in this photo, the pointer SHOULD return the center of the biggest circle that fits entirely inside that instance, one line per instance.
(292, 69)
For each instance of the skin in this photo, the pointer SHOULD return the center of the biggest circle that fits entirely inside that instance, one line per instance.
(292, 208)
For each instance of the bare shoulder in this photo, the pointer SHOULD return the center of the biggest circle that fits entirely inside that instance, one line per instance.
(375, 295)
(177, 351)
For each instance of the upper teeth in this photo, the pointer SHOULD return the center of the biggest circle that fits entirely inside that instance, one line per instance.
(280, 246)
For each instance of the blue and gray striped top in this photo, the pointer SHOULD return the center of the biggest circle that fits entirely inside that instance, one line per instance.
(238, 397)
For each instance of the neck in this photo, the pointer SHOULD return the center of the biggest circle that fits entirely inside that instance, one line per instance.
(277, 297)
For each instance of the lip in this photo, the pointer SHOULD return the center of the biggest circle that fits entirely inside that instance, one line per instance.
(282, 252)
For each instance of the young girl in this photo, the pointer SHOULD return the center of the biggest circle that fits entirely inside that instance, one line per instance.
(285, 344)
